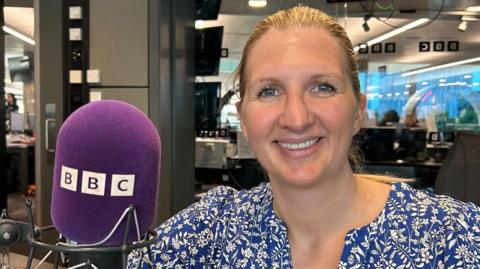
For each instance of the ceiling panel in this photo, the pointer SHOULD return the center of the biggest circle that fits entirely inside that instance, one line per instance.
(239, 19)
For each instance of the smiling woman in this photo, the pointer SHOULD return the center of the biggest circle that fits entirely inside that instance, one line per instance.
(300, 107)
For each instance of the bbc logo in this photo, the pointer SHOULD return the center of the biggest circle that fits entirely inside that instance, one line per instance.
(93, 183)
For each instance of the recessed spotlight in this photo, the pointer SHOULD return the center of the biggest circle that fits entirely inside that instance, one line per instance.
(467, 76)
(424, 83)
(442, 80)
(257, 3)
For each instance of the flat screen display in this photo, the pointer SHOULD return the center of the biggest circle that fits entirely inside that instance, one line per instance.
(20, 69)
(207, 95)
(208, 49)
(207, 9)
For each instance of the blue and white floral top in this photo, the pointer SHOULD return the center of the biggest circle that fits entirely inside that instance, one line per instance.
(231, 229)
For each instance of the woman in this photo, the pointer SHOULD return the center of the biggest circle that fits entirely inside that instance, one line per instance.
(300, 107)
(10, 106)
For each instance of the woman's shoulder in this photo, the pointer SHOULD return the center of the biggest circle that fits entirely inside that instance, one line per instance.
(431, 213)
(413, 199)
(227, 200)
(418, 229)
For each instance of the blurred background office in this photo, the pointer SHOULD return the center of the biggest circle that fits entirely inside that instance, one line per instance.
(419, 69)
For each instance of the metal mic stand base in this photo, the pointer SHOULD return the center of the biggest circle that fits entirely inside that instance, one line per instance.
(105, 260)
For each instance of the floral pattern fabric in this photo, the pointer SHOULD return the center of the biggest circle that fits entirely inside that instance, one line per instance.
(239, 229)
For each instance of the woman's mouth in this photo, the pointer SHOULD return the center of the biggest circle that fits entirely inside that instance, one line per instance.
(299, 146)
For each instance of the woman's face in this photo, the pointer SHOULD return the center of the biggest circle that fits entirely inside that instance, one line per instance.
(299, 111)
(9, 99)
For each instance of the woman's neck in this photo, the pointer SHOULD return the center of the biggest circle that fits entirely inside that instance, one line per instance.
(316, 209)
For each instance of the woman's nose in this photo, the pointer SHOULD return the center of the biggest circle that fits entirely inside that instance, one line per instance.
(296, 114)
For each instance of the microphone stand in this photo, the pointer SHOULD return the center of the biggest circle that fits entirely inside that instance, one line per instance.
(5, 262)
(88, 253)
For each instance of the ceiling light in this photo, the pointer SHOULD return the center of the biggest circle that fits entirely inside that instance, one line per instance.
(462, 27)
(467, 76)
(473, 8)
(470, 18)
(18, 35)
(257, 3)
(395, 32)
(424, 83)
(199, 24)
(467, 61)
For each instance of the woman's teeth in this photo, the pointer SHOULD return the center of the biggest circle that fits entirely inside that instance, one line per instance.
(302, 145)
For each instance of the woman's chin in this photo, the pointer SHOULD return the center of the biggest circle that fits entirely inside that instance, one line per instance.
(298, 180)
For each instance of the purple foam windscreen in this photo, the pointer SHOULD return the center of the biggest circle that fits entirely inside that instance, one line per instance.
(107, 158)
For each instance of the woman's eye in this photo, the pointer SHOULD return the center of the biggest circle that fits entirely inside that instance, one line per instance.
(324, 89)
(268, 92)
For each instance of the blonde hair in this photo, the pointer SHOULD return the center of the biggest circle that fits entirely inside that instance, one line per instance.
(300, 16)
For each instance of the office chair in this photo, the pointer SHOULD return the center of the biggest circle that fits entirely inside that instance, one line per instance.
(459, 175)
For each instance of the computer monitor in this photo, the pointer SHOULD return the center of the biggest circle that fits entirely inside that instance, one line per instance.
(208, 49)
(20, 68)
(207, 9)
(16, 122)
(412, 142)
(377, 144)
(207, 95)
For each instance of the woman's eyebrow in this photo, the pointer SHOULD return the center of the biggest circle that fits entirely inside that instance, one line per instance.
(267, 80)
(328, 75)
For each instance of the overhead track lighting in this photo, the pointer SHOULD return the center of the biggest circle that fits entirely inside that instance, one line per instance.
(257, 3)
(18, 35)
(395, 32)
(365, 26)
(473, 8)
(470, 18)
(423, 70)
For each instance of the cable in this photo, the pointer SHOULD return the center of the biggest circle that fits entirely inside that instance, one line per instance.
(431, 20)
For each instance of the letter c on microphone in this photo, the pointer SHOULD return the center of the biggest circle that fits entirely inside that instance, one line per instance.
(93, 183)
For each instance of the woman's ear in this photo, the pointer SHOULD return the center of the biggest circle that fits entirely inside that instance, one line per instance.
(359, 113)
(239, 113)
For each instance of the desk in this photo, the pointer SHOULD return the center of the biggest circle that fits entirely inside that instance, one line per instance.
(25, 153)
(424, 171)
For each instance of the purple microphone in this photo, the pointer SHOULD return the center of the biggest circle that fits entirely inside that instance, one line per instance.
(107, 158)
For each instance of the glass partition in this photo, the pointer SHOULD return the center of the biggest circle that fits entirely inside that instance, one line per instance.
(445, 100)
